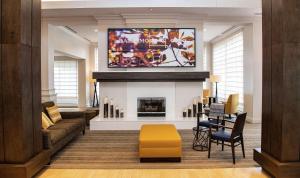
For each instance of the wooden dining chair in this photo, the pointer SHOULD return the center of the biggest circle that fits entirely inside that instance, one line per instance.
(234, 138)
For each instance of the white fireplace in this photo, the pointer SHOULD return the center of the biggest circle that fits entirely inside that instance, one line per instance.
(178, 95)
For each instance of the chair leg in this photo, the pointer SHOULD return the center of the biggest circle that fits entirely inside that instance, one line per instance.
(222, 145)
(243, 148)
(209, 148)
(233, 153)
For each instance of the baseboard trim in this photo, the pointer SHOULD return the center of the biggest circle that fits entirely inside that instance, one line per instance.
(28, 169)
(276, 168)
(252, 120)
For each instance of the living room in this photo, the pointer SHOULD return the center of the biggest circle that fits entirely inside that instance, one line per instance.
(150, 89)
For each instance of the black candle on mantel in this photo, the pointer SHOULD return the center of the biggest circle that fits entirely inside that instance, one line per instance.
(200, 106)
(121, 113)
(117, 112)
(194, 108)
(111, 109)
(105, 109)
(190, 111)
(184, 112)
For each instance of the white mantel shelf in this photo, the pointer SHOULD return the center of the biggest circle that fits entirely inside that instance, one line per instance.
(126, 124)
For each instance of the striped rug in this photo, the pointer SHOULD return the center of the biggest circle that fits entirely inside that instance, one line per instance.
(119, 149)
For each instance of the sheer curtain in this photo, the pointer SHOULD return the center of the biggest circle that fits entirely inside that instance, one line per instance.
(66, 81)
(228, 56)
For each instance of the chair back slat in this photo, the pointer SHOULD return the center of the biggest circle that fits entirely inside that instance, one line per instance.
(239, 125)
(216, 110)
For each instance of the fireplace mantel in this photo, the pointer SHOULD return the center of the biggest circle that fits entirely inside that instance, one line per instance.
(150, 76)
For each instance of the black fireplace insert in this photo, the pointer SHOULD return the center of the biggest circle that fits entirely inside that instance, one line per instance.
(151, 107)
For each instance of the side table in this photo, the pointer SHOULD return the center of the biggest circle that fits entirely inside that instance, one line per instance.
(201, 135)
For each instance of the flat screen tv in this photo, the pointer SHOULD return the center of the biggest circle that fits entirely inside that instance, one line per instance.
(151, 47)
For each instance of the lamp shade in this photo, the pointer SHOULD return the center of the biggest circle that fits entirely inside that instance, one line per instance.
(214, 78)
(92, 80)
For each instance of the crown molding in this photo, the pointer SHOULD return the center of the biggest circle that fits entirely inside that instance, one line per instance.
(150, 18)
(64, 21)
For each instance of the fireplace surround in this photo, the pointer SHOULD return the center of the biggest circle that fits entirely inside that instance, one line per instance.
(151, 107)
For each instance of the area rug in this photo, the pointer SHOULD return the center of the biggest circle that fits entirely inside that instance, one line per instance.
(119, 149)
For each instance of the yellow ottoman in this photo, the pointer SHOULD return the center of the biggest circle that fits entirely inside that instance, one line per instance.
(159, 142)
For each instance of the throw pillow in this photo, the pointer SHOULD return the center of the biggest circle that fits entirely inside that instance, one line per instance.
(46, 122)
(54, 114)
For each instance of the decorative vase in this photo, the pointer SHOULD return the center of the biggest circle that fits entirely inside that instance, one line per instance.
(122, 114)
(194, 108)
(199, 107)
(190, 111)
(184, 112)
(111, 109)
(117, 112)
(105, 109)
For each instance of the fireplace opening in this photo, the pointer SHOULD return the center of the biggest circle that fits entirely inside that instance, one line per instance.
(151, 107)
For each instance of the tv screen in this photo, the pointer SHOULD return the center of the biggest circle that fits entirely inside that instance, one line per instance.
(151, 47)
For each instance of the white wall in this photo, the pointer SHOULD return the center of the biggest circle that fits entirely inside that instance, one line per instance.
(180, 94)
(253, 70)
(68, 43)
(257, 68)
(58, 41)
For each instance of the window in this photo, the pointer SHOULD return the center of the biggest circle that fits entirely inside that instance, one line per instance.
(66, 81)
(228, 64)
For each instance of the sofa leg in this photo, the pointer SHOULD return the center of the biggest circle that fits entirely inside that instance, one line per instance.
(83, 132)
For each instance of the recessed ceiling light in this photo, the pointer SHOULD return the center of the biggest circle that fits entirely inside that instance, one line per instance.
(205, 29)
(95, 30)
(257, 13)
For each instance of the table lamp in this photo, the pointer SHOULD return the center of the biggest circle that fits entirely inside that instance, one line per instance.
(215, 79)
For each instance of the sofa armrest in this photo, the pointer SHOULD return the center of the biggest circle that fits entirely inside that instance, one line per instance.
(46, 139)
(73, 114)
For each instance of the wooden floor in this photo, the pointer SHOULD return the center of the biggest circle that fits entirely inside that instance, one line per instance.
(154, 173)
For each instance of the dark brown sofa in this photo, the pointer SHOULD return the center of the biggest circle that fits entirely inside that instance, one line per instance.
(58, 135)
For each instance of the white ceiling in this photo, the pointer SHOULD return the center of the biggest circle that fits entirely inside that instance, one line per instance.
(56, 4)
(227, 11)
(193, 11)
(86, 31)
(210, 31)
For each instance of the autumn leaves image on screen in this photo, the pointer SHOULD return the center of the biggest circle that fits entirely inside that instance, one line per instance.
(151, 47)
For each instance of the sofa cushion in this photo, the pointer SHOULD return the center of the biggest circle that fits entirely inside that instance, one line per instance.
(54, 113)
(79, 121)
(56, 135)
(221, 135)
(67, 126)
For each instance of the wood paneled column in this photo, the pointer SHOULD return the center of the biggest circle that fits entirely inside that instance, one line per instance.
(280, 146)
(21, 149)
